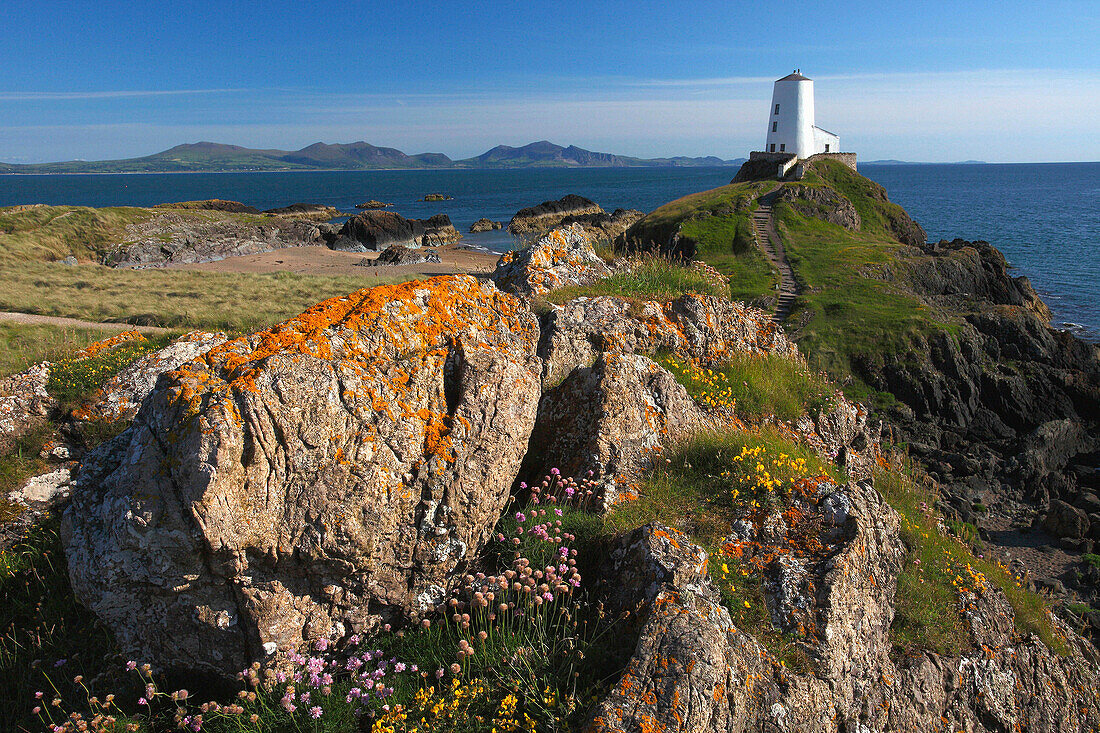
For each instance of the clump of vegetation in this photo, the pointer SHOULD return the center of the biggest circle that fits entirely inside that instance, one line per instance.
(77, 376)
(515, 647)
(756, 385)
(22, 345)
(938, 569)
(43, 630)
(654, 278)
(716, 480)
(717, 226)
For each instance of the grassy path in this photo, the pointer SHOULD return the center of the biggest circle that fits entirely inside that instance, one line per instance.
(767, 237)
(32, 319)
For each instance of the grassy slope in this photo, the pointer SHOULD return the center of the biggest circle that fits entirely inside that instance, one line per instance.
(842, 315)
(718, 221)
(32, 242)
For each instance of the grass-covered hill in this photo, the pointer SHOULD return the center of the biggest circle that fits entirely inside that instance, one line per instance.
(858, 297)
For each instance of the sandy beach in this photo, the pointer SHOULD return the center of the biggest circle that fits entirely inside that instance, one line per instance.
(320, 260)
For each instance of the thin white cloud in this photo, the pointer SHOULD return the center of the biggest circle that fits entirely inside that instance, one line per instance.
(108, 94)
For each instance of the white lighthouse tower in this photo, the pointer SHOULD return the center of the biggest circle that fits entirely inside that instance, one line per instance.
(791, 126)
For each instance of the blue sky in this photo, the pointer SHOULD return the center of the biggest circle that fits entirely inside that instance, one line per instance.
(931, 81)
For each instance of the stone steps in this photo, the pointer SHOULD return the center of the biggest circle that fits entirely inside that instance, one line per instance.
(768, 239)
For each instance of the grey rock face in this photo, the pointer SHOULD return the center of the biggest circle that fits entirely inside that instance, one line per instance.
(561, 257)
(24, 401)
(611, 420)
(705, 328)
(173, 238)
(822, 203)
(310, 479)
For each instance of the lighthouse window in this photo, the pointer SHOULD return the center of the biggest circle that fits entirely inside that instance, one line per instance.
(773, 148)
(826, 147)
(777, 109)
(782, 148)
(774, 126)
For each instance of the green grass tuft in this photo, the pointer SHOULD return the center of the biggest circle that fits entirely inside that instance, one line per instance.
(758, 385)
(655, 278)
(937, 568)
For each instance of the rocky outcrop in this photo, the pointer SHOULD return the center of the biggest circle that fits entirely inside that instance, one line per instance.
(122, 395)
(484, 225)
(308, 480)
(609, 421)
(175, 238)
(821, 202)
(311, 212)
(1001, 409)
(376, 230)
(704, 328)
(436, 197)
(549, 214)
(843, 433)
(233, 207)
(24, 402)
(693, 669)
(400, 255)
(562, 257)
(373, 204)
(570, 210)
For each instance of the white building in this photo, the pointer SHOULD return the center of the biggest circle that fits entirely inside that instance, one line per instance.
(791, 126)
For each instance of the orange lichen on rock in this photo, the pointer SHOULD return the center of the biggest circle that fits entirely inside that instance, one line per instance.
(108, 343)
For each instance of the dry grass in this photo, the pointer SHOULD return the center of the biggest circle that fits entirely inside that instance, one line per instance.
(33, 240)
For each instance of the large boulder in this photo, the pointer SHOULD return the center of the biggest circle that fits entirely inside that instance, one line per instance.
(611, 421)
(704, 328)
(484, 225)
(375, 230)
(315, 478)
(561, 257)
(1066, 520)
(550, 214)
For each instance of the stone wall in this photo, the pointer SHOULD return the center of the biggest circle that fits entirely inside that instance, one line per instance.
(848, 159)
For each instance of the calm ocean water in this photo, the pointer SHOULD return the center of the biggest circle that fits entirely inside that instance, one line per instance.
(1044, 217)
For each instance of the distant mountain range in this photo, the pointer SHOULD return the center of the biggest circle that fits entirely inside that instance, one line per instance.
(211, 157)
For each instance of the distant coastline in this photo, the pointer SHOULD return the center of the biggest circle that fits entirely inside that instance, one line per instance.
(207, 157)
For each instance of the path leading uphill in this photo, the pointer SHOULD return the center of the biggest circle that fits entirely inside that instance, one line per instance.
(767, 237)
(33, 319)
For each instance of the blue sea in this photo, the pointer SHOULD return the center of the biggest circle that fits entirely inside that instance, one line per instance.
(1045, 217)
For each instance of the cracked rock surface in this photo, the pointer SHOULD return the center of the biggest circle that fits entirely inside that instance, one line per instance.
(311, 479)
